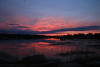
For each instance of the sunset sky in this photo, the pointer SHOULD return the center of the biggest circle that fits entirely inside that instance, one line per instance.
(49, 17)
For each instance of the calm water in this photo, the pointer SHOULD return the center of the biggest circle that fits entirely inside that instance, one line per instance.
(48, 47)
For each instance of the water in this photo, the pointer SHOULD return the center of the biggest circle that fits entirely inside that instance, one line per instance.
(48, 47)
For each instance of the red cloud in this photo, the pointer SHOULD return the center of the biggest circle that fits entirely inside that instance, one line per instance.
(44, 24)
(53, 23)
(50, 23)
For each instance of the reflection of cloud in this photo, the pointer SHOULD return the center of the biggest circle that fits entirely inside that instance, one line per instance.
(85, 28)
(21, 46)
(12, 48)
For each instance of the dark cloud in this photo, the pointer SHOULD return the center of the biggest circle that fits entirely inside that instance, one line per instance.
(21, 26)
(85, 28)
(18, 31)
(12, 24)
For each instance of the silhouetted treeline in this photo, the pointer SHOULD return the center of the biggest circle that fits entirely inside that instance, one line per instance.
(83, 36)
(24, 36)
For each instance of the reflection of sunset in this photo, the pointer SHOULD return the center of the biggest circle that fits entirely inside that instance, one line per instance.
(25, 49)
(54, 39)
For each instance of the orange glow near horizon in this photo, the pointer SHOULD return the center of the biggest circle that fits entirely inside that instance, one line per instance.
(72, 32)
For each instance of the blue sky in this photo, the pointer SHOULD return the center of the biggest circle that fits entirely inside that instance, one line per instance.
(66, 8)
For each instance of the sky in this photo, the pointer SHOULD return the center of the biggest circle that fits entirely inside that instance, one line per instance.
(49, 17)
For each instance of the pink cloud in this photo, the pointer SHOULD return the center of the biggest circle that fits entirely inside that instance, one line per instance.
(44, 24)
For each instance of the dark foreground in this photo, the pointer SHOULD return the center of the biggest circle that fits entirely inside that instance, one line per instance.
(41, 61)
(82, 59)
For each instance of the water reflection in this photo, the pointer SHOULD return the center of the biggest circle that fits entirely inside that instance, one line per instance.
(22, 48)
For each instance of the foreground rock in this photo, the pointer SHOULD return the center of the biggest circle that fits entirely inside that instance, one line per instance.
(48, 64)
(39, 61)
(70, 65)
(35, 59)
(6, 59)
(57, 61)
(93, 64)
(12, 65)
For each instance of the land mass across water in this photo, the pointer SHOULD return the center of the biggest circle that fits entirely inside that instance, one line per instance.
(63, 37)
